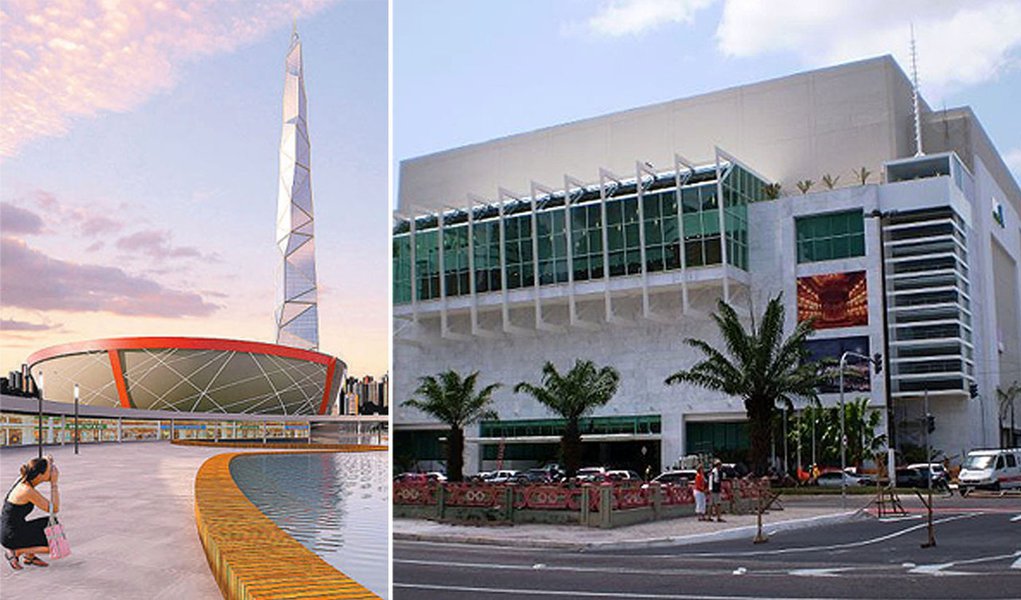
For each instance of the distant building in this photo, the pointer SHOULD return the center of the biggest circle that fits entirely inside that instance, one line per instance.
(366, 396)
(624, 230)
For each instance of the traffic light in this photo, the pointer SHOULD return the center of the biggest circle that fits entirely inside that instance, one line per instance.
(973, 390)
(930, 423)
(877, 362)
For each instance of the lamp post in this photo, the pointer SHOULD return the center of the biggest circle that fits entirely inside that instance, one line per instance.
(876, 362)
(76, 418)
(39, 394)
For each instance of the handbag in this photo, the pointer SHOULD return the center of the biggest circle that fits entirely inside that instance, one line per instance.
(59, 547)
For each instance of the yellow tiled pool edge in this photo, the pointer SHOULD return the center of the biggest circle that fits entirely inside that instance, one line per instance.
(252, 558)
(283, 445)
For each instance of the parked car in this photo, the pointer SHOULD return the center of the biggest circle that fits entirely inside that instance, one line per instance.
(990, 469)
(411, 478)
(682, 477)
(591, 475)
(502, 476)
(833, 479)
(912, 478)
(940, 477)
(436, 476)
(623, 475)
(532, 476)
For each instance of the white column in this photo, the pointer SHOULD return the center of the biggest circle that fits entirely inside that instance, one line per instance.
(723, 229)
(414, 272)
(120, 430)
(608, 301)
(678, 163)
(640, 195)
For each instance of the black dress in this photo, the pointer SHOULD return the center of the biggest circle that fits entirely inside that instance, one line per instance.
(16, 531)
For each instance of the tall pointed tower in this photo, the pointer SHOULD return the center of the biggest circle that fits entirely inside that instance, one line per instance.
(297, 313)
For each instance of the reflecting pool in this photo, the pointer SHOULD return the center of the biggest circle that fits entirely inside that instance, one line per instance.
(334, 504)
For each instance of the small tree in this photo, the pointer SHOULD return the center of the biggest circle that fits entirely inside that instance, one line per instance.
(860, 424)
(862, 175)
(572, 396)
(772, 191)
(805, 185)
(830, 181)
(453, 400)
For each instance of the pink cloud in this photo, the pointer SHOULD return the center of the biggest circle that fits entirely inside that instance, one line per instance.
(156, 244)
(67, 59)
(94, 225)
(14, 325)
(33, 280)
(14, 219)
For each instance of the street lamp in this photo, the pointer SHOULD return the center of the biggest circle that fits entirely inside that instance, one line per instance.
(877, 363)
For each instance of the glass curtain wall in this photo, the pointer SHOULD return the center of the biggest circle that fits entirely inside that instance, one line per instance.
(693, 230)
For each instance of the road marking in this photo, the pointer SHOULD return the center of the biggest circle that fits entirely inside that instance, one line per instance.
(935, 570)
(881, 538)
(666, 572)
(941, 569)
(586, 594)
(828, 572)
(895, 519)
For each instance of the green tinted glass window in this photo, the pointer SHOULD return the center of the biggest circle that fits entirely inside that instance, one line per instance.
(830, 236)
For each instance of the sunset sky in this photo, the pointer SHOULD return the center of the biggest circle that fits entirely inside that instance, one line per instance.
(139, 166)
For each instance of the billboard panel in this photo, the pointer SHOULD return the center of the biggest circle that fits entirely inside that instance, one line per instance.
(834, 300)
(828, 352)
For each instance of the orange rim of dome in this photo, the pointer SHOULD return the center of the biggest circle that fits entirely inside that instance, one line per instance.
(113, 345)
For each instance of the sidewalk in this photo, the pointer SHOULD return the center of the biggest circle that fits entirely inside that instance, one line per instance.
(128, 510)
(798, 513)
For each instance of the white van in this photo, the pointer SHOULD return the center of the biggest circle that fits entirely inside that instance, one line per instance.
(990, 470)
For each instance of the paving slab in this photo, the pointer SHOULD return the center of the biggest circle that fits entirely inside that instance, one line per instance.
(669, 532)
(128, 510)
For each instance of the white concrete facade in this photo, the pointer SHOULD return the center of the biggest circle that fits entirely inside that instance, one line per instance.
(800, 127)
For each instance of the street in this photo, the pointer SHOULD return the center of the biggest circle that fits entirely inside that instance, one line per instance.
(978, 555)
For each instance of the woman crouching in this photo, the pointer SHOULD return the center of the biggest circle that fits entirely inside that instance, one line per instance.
(24, 539)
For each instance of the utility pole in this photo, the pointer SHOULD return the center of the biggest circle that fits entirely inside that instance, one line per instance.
(928, 471)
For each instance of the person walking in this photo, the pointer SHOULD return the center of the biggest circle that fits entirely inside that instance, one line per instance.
(715, 488)
(25, 539)
(700, 490)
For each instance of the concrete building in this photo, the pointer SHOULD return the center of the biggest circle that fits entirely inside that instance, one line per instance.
(601, 239)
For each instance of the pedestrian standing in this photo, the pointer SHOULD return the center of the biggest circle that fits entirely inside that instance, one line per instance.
(715, 487)
(700, 489)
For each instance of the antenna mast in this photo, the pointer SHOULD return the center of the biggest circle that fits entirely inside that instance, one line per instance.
(914, 90)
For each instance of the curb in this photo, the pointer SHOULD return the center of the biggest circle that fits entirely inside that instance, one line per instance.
(736, 533)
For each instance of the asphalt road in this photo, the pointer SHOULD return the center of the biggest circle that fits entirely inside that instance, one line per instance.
(977, 555)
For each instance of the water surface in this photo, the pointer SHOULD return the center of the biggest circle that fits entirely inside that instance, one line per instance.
(334, 504)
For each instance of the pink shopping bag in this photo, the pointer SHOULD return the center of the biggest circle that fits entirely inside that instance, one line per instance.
(59, 548)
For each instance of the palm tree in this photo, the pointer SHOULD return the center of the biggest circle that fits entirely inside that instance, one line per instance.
(760, 366)
(454, 401)
(805, 185)
(572, 396)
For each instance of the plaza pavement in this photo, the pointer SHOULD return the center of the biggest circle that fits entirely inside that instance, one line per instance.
(128, 510)
(797, 513)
